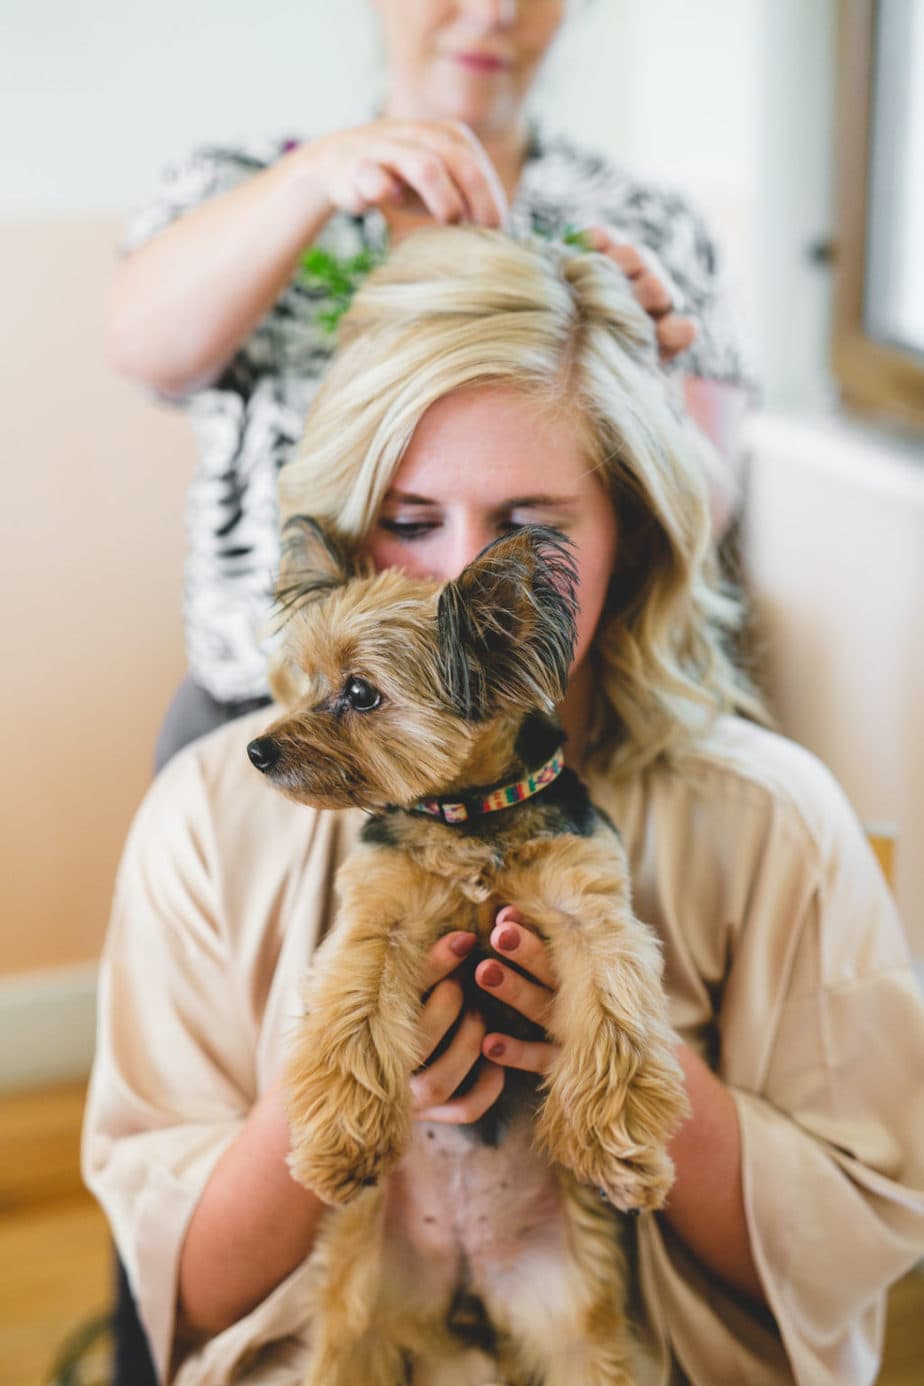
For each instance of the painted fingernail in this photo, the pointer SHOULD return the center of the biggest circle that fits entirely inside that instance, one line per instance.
(497, 1049)
(508, 940)
(492, 976)
(462, 945)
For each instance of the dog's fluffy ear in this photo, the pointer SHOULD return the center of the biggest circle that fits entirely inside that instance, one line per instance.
(507, 625)
(313, 562)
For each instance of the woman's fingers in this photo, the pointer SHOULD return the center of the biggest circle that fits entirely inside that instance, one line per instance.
(653, 294)
(445, 955)
(529, 998)
(635, 261)
(652, 287)
(374, 184)
(514, 940)
(675, 334)
(425, 172)
(462, 1111)
(434, 1085)
(426, 155)
(532, 998)
(534, 1056)
(441, 164)
(437, 1015)
(626, 256)
(478, 177)
(467, 164)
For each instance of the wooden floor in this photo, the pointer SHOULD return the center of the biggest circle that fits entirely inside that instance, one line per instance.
(55, 1260)
(54, 1243)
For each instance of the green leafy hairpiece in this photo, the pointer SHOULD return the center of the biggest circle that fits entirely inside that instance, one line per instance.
(338, 279)
(572, 236)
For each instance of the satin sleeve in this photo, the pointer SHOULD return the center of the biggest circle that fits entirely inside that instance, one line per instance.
(833, 1143)
(173, 1078)
(819, 1036)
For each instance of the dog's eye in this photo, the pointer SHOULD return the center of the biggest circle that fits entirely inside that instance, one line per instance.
(361, 696)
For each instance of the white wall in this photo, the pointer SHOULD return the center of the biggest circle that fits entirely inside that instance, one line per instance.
(727, 98)
(794, 199)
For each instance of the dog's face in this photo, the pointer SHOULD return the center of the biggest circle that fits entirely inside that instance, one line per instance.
(390, 681)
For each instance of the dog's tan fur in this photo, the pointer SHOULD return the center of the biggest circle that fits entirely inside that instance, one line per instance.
(447, 720)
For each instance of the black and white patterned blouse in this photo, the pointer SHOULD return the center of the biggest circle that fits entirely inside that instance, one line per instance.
(248, 420)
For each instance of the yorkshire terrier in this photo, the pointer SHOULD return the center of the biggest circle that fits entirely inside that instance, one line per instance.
(491, 1248)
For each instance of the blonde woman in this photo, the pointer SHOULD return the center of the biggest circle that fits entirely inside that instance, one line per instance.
(208, 307)
(484, 383)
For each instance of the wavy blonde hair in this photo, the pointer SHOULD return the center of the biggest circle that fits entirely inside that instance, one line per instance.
(455, 308)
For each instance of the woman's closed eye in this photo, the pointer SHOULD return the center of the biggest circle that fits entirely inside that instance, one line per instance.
(407, 530)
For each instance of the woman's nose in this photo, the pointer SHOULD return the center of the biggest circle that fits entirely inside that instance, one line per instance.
(467, 540)
(494, 14)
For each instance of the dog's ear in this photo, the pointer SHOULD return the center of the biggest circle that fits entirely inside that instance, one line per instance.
(507, 625)
(313, 562)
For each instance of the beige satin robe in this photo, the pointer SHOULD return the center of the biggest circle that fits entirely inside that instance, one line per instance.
(785, 965)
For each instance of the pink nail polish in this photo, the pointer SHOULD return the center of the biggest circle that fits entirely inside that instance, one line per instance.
(497, 1049)
(462, 945)
(508, 940)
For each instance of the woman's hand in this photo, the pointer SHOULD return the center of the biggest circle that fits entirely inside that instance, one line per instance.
(438, 167)
(652, 288)
(184, 302)
(432, 1086)
(532, 996)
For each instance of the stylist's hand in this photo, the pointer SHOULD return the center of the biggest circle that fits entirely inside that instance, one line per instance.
(652, 288)
(438, 165)
(432, 1086)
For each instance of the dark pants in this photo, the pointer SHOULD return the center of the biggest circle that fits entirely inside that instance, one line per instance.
(191, 714)
(132, 1364)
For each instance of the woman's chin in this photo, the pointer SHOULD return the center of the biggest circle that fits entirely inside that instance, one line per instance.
(482, 101)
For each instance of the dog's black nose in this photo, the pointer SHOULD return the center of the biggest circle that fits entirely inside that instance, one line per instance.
(264, 753)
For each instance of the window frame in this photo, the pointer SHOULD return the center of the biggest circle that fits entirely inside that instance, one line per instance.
(873, 376)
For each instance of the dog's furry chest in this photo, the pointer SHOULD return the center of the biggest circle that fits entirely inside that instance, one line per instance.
(469, 1207)
(474, 854)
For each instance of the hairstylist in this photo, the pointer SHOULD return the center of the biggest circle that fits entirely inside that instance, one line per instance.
(209, 309)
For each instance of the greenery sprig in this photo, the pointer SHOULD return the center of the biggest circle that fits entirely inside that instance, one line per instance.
(338, 279)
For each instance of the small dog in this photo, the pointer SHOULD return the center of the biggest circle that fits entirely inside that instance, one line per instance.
(431, 705)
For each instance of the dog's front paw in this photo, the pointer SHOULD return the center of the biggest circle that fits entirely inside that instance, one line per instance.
(630, 1175)
(343, 1137)
(612, 1134)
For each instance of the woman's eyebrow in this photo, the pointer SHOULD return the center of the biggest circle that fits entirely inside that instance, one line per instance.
(408, 498)
(511, 503)
(539, 502)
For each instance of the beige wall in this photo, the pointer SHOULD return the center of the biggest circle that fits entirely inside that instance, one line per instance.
(835, 553)
(91, 549)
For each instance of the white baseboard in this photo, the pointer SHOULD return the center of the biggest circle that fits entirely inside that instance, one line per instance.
(47, 1026)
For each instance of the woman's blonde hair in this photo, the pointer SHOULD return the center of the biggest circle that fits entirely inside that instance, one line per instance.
(454, 308)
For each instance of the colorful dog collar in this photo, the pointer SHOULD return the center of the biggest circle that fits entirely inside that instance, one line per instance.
(460, 810)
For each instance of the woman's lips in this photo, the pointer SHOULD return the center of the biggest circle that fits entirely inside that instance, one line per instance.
(481, 62)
